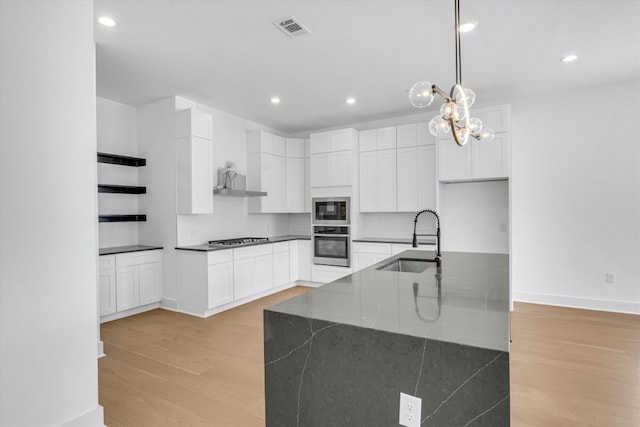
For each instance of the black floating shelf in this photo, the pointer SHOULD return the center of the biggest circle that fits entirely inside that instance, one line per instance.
(121, 218)
(116, 159)
(121, 189)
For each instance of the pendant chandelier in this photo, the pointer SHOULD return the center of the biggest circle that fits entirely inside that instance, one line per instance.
(454, 114)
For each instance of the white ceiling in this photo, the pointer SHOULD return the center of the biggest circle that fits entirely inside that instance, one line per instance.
(230, 56)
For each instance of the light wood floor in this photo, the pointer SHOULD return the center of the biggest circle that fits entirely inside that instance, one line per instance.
(568, 368)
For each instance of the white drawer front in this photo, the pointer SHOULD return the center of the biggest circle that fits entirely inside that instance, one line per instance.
(217, 257)
(252, 251)
(374, 248)
(136, 258)
(281, 247)
(106, 262)
(397, 248)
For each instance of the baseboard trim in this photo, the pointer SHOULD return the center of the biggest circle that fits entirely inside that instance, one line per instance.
(308, 283)
(92, 418)
(577, 302)
(130, 312)
(169, 304)
(101, 349)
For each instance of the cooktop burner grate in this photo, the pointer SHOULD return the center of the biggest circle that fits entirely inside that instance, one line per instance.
(238, 242)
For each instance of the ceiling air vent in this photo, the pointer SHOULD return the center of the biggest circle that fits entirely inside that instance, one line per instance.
(291, 27)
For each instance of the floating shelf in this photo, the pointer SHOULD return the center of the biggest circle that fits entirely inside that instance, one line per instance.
(239, 193)
(121, 218)
(121, 189)
(116, 159)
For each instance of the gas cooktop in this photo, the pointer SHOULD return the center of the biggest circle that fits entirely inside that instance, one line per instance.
(238, 242)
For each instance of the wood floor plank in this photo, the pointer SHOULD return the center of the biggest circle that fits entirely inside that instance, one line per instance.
(569, 367)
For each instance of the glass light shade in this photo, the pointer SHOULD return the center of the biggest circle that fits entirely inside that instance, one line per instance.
(469, 94)
(421, 94)
(438, 126)
(487, 134)
(475, 126)
(449, 110)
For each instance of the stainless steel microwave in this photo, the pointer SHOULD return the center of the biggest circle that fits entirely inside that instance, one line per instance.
(331, 211)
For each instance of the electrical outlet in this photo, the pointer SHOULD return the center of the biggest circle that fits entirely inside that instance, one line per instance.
(410, 408)
(610, 278)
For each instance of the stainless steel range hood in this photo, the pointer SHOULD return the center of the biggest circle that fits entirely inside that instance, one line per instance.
(238, 186)
(239, 193)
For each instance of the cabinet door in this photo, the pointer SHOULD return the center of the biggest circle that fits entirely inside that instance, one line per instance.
(263, 273)
(368, 182)
(406, 136)
(307, 185)
(387, 178)
(427, 177)
(408, 182)
(295, 147)
(220, 284)
(294, 264)
(194, 177)
(243, 278)
(107, 291)
(150, 283)
(281, 268)
(490, 158)
(274, 182)
(295, 185)
(386, 138)
(340, 168)
(319, 142)
(454, 162)
(304, 260)
(341, 140)
(319, 170)
(272, 144)
(361, 260)
(368, 140)
(127, 287)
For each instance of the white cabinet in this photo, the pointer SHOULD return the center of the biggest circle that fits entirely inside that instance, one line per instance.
(366, 254)
(281, 264)
(413, 135)
(416, 178)
(267, 171)
(377, 139)
(328, 273)
(378, 181)
(304, 260)
(219, 278)
(331, 162)
(478, 160)
(138, 280)
(107, 284)
(194, 157)
(296, 179)
(252, 270)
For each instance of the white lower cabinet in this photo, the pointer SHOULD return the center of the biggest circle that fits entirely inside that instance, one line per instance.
(281, 264)
(220, 280)
(367, 254)
(107, 284)
(129, 280)
(304, 260)
(396, 248)
(328, 273)
(252, 270)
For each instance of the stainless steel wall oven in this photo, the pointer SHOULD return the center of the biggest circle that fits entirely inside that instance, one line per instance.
(331, 245)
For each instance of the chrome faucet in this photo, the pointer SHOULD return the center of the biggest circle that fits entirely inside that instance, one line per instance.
(437, 235)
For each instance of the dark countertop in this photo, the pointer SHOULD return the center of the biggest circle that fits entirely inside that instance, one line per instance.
(126, 249)
(472, 307)
(206, 248)
(407, 241)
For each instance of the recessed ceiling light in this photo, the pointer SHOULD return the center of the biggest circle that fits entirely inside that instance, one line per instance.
(275, 100)
(105, 21)
(351, 100)
(467, 26)
(569, 58)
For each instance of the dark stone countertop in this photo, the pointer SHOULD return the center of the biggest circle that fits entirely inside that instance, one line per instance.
(404, 241)
(472, 307)
(206, 248)
(126, 249)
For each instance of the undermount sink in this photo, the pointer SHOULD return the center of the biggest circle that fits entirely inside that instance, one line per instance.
(408, 265)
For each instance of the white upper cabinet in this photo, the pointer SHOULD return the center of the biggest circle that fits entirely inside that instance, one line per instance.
(296, 179)
(192, 122)
(377, 139)
(413, 135)
(331, 162)
(478, 160)
(378, 181)
(295, 148)
(194, 159)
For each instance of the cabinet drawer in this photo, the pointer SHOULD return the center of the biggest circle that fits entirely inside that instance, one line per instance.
(281, 247)
(137, 258)
(106, 262)
(252, 251)
(217, 257)
(397, 248)
(374, 248)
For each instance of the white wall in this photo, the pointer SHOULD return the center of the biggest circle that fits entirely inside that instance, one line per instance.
(48, 215)
(576, 198)
(117, 134)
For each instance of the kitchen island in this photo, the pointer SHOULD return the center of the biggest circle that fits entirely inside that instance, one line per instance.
(341, 354)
